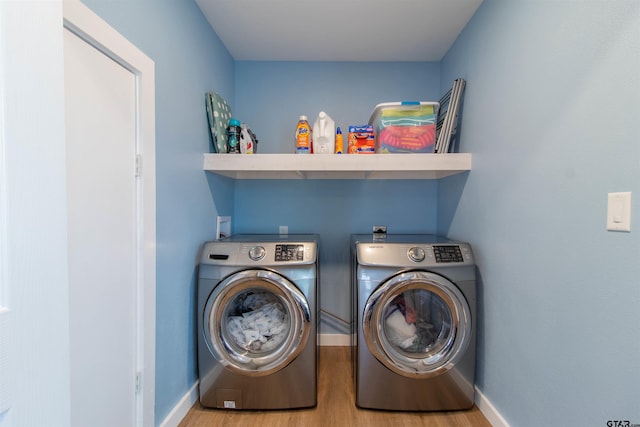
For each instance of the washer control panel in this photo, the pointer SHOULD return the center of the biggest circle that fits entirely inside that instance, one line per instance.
(289, 252)
(260, 252)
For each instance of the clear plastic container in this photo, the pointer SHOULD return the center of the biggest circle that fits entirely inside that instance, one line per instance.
(405, 127)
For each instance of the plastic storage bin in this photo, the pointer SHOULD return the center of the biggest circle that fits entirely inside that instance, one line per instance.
(405, 127)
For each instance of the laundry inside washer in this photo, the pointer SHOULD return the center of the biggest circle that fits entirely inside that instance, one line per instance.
(256, 321)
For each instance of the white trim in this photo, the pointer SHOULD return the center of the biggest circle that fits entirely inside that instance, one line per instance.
(489, 411)
(90, 27)
(4, 286)
(6, 328)
(339, 340)
(182, 408)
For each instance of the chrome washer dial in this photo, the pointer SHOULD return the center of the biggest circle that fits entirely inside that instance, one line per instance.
(256, 253)
(416, 254)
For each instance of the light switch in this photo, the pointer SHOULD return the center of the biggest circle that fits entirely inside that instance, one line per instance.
(619, 211)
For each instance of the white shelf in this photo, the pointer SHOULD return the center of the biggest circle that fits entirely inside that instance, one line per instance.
(337, 166)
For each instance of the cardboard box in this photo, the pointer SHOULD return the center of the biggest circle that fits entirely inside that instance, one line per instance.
(361, 140)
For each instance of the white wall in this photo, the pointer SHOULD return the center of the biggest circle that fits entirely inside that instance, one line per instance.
(35, 240)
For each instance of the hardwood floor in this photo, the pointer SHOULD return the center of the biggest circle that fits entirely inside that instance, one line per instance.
(336, 406)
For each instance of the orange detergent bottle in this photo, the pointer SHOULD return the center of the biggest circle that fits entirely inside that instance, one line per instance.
(304, 136)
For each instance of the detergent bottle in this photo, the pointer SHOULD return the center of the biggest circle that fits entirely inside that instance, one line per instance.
(233, 136)
(304, 136)
(339, 141)
(324, 134)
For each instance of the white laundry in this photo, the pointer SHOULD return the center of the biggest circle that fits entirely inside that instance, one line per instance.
(399, 332)
(254, 301)
(262, 329)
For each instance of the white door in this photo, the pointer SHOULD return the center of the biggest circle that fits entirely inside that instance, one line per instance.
(100, 102)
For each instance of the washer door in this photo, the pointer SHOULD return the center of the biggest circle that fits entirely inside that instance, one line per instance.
(418, 324)
(256, 322)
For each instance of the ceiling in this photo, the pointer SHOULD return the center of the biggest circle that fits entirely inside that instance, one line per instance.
(338, 30)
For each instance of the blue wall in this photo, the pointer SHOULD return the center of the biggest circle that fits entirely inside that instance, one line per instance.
(551, 116)
(189, 61)
(270, 96)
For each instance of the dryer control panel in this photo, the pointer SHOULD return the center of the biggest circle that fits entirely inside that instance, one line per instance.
(414, 254)
(447, 253)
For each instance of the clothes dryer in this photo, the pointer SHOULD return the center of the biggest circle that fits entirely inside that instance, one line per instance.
(257, 322)
(414, 338)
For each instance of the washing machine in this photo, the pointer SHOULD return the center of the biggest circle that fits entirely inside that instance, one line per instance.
(257, 322)
(414, 328)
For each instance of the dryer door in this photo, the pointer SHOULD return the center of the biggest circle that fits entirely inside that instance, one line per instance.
(256, 322)
(417, 323)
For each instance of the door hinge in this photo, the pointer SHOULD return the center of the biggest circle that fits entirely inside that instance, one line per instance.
(138, 164)
(138, 382)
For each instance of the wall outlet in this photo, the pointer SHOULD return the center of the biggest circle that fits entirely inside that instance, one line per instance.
(223, 227)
